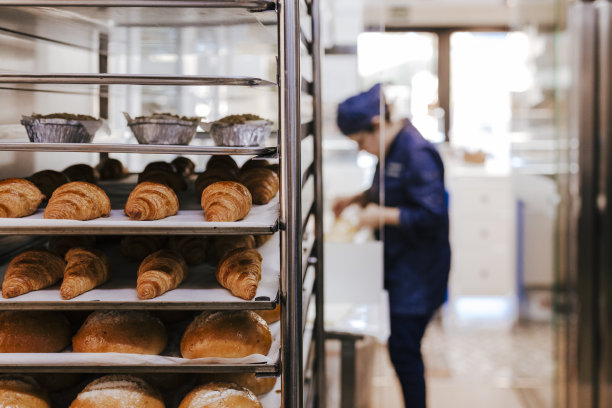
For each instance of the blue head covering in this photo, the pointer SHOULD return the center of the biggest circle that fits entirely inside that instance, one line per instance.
(356, 113)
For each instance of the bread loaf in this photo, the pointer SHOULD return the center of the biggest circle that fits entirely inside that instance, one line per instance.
(257, 385)
(118, 391)
(20, 391)
(33, 332)
(230, 333)
(220, 395)
(118, 331)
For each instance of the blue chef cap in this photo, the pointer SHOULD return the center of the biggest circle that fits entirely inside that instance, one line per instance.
(356, 113)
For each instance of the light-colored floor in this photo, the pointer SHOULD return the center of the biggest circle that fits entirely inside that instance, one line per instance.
(476, 368)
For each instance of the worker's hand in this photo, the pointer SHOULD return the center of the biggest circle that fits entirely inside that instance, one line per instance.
(371, 216)
(374, 216)
(340, 203)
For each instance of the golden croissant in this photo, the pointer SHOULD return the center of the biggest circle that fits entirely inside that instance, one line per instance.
(213, 175)
(261, 182)
(138, 247)
(151, 201)
(192, 247)
(227, 243)
(78, 200)
(226, 201)
(19, 198)
(240, 272)
(85, 269)
(48, 180)
(160, 272)
(31, 270)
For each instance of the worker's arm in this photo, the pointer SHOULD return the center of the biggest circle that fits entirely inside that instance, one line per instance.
(341, 203)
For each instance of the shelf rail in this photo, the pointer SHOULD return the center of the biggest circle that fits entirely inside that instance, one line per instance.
(256, 5)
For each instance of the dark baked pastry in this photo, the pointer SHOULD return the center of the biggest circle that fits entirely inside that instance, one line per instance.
(48, 180)
(138, 247)
(224, 162)
(211, 176)
(82, 172)
(184, 166)
(262, 183)
(62, 243)
(253, 163)
(173, 180)
(160, 165)
(111, 169)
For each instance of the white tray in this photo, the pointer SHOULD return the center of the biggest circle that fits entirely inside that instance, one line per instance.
(200, 290)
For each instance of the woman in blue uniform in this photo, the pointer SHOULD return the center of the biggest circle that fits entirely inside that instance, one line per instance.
(415, 218)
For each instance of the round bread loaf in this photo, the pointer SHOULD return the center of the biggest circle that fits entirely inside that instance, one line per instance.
(220, 395)
(232, 334)
(115, 331)
(33, 332)
(118, 391)
(257, 385)
(270, 316)
(20, 391)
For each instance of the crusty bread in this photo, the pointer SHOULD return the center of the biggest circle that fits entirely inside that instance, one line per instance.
(220, 395)
(116, 331)
(33, 332)
(118, 391)
(257, 385)
(270, 316)
(232, 334)
(20, 391)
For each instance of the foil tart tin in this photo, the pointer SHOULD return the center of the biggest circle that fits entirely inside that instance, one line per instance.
(58, 130)
(250, 133)
(160, 129)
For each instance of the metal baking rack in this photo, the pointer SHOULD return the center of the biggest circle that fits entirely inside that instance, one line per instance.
(301, 359)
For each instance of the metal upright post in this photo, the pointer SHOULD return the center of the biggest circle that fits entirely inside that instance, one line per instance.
(290, 199)
(319, 329)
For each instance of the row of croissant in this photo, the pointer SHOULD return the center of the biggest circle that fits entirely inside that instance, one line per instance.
(163, 264)
(225, 191)
(217, 334)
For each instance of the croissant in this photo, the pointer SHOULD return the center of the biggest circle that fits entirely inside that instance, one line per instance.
(184, 166)
(226, 201)
(85, 269)
(227, 243)
(18, 198)
(151, 201)
(78, 200)
(111, 169)
(211, 176)
(160, 272)
(82, 172)
(138, 247)
(48, 180)
(240, 272)
(173, 180)
(223, 162)
(192, 247)
(261, 239)
(261, 182)
(275, 167)
(59, 245)
(31, 270)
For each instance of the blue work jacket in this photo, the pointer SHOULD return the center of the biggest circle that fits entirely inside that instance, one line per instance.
(417, 252)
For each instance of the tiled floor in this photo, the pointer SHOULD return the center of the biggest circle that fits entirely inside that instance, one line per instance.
(476, 368)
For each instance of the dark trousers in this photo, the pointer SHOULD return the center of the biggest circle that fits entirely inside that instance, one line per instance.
(405, 351)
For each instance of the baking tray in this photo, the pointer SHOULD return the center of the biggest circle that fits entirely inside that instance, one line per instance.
(68, 361)
(199, 291)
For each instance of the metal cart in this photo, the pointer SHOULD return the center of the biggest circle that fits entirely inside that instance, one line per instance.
(77, 24)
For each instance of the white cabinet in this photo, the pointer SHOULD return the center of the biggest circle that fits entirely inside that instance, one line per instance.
(482, 232)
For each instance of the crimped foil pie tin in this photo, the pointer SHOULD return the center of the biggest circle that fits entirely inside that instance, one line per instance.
(162, 129)
(250, 133)
(59, 130)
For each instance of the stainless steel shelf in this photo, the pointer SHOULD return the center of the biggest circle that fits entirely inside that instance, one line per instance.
(272, 369)
(128, 79)
(244, 4)
(136, 148)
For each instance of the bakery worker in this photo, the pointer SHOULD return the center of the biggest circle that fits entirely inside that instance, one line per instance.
(415, 223)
